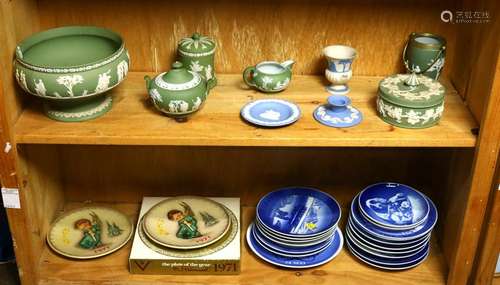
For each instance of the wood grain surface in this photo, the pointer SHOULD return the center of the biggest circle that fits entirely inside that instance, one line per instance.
(134, 121)
(344, 269)
(248, 32)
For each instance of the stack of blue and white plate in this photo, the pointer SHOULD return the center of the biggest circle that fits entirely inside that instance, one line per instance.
(296, 228)
(390, 226)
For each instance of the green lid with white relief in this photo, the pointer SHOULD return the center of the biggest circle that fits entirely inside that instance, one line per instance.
(197, 44)
(413, 91)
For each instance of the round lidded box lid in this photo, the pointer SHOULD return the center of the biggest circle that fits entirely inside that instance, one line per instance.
(426, 93)
(197, 44)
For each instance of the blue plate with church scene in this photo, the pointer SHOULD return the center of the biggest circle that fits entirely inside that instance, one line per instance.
(298, 212)
(367, 227)
(394, 205)
(320, 258)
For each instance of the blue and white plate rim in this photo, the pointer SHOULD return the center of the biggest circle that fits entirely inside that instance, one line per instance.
(245, 113)
(294, 244)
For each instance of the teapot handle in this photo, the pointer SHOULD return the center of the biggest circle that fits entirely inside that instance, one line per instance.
(148, 82)
(248, 76)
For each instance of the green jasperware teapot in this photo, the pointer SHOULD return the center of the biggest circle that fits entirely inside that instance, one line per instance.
(177, 93)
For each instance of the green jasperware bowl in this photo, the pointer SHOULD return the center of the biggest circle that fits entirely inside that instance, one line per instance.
(71, 68)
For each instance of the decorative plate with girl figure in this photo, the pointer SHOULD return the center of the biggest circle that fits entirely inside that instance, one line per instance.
(186, 222)
(89, 232)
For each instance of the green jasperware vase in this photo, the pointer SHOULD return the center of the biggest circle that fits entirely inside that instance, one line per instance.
(197, 54)
(72, 68)
(177, 93)
(410, 101)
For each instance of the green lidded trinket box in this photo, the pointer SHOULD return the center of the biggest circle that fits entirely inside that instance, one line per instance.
(197, 54)
(410, 101)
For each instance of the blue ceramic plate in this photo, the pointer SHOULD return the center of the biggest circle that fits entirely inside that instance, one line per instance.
(295, 240)
(394, 206)
(338, 113)
(304, 262)
(383, 246)
(270, 112)
(392, 235)
(385, 266)
(285, 252)
(292, 243)
(298, 212)
(288, 249)
(383, 253)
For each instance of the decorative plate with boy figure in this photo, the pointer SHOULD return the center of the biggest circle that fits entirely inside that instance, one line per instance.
(186, 222)
(89, 232)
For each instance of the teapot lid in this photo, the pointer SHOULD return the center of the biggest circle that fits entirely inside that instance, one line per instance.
(178, 78)
(197, 44)
(395, 89)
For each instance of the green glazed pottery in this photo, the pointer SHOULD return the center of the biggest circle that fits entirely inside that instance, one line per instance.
(71, 68)
(197, 54)
(269, 76)
(405, 105)
(424, 53)
(177, 93)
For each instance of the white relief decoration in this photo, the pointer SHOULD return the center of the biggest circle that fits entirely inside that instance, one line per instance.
(323, 115)
(208, 72)
(397, 209)
(103, 81)
(103, 106)
(270, 115)
(155, 95)
(280, 85)
(412, 117)
(196, 104)
(266, 80)
(392, 84)
(73, 69)
(202, 41)
(196, 66)
(178, 106)
(69, 81)
(122, 70)
(178, 86)
(40, 87)
(21, 79)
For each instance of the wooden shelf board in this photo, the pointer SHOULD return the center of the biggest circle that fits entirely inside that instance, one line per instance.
(344, 269)
(134, 121)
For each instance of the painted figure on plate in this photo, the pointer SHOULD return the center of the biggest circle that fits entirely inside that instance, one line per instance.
(188, 228)
(91, 232)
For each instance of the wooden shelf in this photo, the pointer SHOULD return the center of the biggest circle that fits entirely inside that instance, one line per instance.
(134, 121)
(344, 269)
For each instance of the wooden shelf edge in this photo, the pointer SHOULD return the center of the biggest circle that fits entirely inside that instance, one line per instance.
(344, 269)
(132, 121)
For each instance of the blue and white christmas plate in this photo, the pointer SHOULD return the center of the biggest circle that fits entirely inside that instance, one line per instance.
(383, 264)
(380, 233)
(338, 113)
(394, 206)
(293, 241)
(298, 212)
(297, 262)
(270, 112)
(293, 250)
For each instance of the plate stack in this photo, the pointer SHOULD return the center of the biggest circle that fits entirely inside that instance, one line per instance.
(296, 228)
(390, 226)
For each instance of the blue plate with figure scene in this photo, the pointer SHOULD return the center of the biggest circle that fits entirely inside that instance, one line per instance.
(394, 205)
(298, 212)
(296, 262)
(381, 233)
(270, 112)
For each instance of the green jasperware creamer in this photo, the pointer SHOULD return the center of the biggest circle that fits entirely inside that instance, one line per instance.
(71, 68)
(197, 54)
(177, 93)
(410, 101)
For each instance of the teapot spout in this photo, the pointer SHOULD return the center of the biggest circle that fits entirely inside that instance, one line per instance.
(148, 82)
(288, 64)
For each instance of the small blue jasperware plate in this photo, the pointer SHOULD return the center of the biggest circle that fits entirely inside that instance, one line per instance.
(393, 205)
(392, 235)
(298, 212)
(303, 262)
(384, 265)
(288, 249)
(270, 112)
